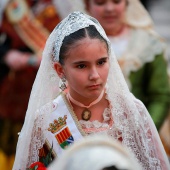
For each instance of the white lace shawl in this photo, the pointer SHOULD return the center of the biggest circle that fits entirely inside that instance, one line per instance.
(130, 116)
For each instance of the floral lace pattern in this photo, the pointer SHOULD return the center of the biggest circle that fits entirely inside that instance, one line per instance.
(38, 138)
(95, 126)
(73, 22)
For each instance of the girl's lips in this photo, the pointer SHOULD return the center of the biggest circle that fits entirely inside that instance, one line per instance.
(94, 86)
(109, 18)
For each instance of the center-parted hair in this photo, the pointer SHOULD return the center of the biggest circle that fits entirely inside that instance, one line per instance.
(72, 39)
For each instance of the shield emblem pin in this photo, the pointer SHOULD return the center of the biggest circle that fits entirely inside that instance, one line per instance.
(61, 132)
(64, 137)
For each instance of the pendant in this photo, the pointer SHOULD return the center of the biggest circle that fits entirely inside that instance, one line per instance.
(86, 114)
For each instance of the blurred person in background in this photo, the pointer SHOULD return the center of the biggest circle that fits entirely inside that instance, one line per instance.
(159, 10)
(139, 49)
(24, 28)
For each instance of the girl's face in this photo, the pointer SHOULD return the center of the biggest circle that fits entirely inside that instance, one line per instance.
(86, 69)
(110, 14)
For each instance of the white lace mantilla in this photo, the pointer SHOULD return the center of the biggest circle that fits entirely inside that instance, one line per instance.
(73, 23)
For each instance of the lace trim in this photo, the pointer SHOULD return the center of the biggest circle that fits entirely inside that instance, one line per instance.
(37, 136)
(73, 22)
(96, 126)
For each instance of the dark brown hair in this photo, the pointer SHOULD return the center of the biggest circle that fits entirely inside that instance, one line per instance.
(70, 40)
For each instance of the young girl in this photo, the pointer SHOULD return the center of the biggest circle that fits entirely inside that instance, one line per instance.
(94, 99)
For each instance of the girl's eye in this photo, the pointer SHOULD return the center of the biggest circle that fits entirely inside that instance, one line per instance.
(81, 66)
(117, 1)
(99, 2)
(101, 62)
(102, 2)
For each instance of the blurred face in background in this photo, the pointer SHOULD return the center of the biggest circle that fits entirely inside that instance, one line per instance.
(110, 14)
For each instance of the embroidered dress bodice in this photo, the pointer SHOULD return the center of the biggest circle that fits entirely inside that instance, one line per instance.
(91, 127)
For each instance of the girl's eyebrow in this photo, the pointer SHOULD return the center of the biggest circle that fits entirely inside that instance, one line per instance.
(79, 62)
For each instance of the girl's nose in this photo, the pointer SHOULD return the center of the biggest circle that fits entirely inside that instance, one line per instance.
(109, 6)
(94, 74)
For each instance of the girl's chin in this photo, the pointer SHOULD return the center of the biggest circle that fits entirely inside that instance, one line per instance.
(95, 93)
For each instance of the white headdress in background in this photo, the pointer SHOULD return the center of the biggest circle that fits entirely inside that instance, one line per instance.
(137, 15)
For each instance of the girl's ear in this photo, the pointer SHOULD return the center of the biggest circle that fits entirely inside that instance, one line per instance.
(59, 69)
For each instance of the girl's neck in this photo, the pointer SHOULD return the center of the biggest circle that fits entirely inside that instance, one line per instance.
(119, 31)
(96, 109)
(80, 104)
